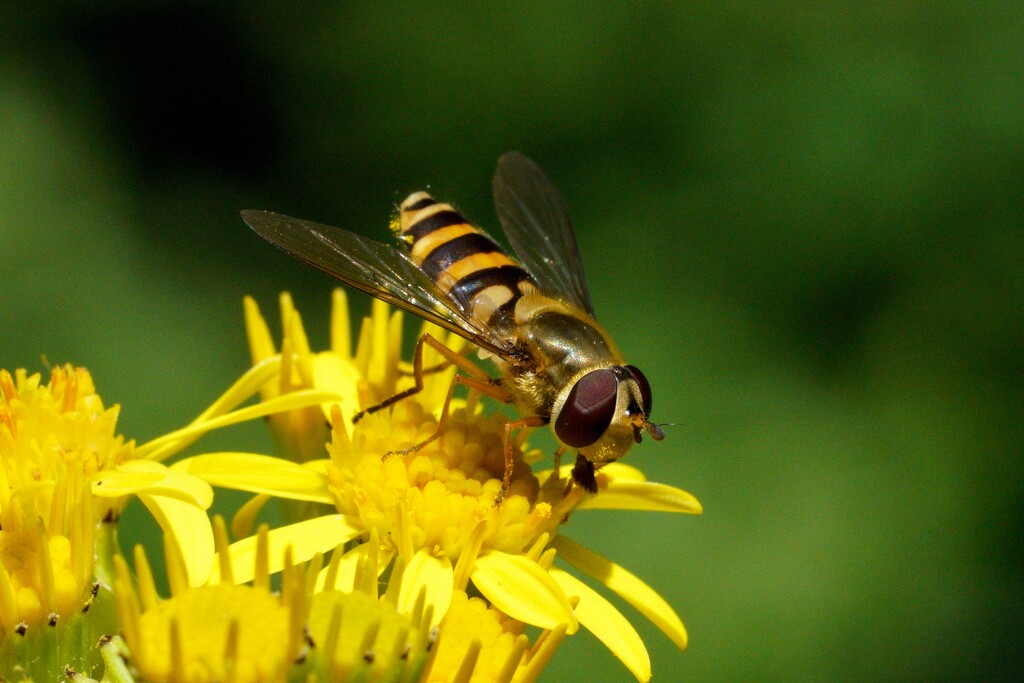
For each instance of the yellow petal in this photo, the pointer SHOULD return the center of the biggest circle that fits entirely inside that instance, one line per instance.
(433, 574)
(642, 495)
(601, 618)
(261, 344)
(189, 527)
(341, 328)
(633, 590)
(142, 476)
(319, 466)
(164, 446)
(244, 521)
(258, 474)
(345, 578)
(622, 472)
(307, 538)
(332, 373)
(244, 387)
(520, 588)
(613, 471)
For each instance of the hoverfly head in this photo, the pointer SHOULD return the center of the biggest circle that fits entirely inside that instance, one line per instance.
(640, 408)
(605, 411)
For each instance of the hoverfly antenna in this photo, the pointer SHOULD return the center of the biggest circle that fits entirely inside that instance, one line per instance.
(655, 430)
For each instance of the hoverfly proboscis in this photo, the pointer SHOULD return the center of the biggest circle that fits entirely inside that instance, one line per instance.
(533, 317)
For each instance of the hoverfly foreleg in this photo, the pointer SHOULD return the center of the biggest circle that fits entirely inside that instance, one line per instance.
(583, 474)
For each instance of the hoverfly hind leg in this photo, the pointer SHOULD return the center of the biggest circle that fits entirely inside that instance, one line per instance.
(476, 379)
(474, 385)
(437, 367)
(418, 371)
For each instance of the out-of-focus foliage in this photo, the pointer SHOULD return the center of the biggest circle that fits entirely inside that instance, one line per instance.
(804, 223)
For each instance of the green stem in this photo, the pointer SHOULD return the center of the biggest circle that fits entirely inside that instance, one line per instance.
(116, 669)
(106, 548)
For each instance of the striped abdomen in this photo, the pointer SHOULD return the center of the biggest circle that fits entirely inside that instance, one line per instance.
(464, 262)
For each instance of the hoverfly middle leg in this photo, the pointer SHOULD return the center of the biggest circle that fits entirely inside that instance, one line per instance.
(557, 460)
(510, 461)
(436, 367)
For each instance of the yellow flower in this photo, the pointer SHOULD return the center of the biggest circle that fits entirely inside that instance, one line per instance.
(432, 507)
(53, 438)
(478, 643)
(64, 478)
(242, 632)
(216, 632)
(474, 642)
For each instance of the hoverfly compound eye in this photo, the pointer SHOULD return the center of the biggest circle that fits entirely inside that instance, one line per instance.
(588, 409)
(645, 387)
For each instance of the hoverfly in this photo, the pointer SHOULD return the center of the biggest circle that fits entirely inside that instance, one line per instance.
(534, 317)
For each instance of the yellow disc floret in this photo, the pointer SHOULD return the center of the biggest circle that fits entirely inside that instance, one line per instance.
(474, 638)
(359, 637)
(202, 633)
(217, 632)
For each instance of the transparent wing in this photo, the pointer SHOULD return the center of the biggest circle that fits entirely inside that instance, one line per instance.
(536, 221)
(379, 270)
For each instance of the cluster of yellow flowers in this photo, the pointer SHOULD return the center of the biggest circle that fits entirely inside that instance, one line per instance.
(397, 568)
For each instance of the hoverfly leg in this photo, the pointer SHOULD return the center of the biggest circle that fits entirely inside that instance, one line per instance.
(442, 421)
(557, 459)
(450, 358)
(437, 367)
(477, 380)
(510, 461)
(583, 474)
(569, 483)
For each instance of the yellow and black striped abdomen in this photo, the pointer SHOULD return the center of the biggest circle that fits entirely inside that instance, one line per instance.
(463, 261)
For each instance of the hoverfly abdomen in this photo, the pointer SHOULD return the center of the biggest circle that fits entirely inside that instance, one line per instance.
(462, 260)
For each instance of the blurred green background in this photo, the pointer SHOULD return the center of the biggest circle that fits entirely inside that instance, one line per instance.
(804, 222)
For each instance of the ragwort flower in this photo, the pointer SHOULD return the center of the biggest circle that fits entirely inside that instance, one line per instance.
(64, 478)
(432, 507)
(215, 632)
(246, 633)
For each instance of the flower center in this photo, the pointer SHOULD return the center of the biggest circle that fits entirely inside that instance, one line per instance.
(435, 496)
(203, 633)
